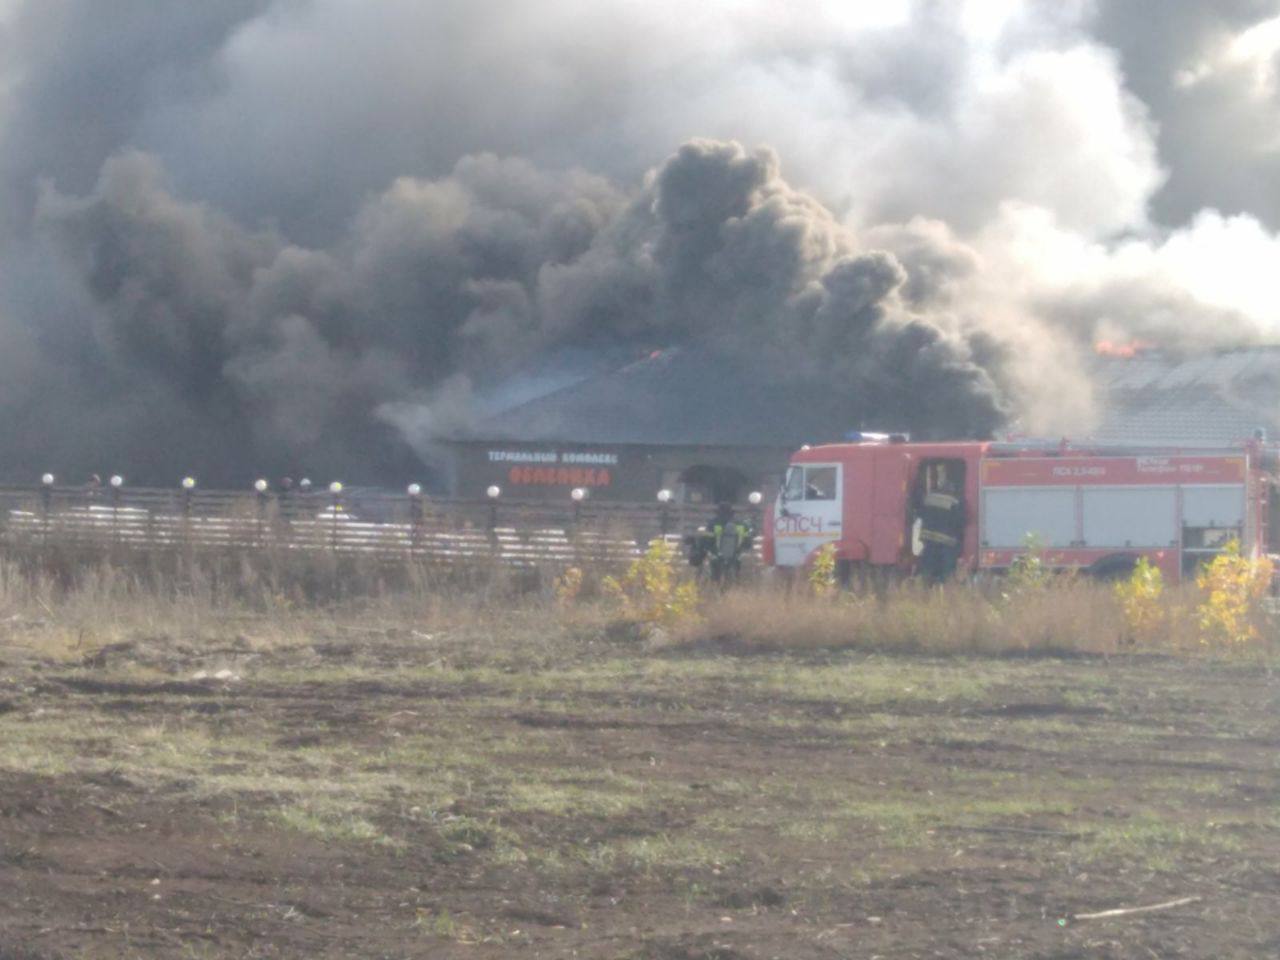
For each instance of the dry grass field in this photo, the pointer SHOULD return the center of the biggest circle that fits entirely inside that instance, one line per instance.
(190, 773)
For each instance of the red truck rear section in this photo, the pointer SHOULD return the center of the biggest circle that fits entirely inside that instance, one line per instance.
(894, 505)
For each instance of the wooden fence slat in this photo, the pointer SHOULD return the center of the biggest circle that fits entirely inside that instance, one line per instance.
(383, 526)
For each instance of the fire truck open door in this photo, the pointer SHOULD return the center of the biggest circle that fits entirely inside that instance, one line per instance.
(938, 516)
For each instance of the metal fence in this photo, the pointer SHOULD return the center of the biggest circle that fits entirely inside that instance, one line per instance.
(380, 525)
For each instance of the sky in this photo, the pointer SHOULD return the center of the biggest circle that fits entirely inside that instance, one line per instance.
(318, 235)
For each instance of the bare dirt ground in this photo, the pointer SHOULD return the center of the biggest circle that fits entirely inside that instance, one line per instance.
(516, 788)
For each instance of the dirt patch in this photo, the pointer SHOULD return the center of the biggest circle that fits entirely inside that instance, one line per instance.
(693, 948)
(92, 685)
(575, 804)
(542, 917)
(560, 721)
(20, 953)
(1040, 710)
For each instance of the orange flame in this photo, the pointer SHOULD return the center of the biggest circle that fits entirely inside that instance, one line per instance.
(1121, 351)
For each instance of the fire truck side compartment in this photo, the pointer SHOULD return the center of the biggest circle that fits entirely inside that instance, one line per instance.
(1009, 514)
(1118, 517)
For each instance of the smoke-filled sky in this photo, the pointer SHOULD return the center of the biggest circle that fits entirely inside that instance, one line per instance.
(312, 235)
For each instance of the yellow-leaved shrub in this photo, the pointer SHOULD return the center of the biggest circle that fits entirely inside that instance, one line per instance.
(1140, 599)
(568, 587)
(822, 574)
(652, 591)
(1234, 586)
(1028, 573)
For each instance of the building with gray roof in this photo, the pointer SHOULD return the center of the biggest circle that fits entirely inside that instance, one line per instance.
(705, 426)
(1206, 400)
(696, 422)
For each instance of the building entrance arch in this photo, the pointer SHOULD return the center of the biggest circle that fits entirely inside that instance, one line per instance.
(707, 483)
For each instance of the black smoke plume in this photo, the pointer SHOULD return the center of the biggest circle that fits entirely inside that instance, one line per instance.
(278, 355)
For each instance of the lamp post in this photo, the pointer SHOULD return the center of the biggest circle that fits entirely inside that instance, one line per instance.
(188, 492)
(46, 504)
(304, 505)
(493, 493)
(116, 482)
(335, 508)
(664, 517)
(262, 488)
(577, 495)
(415, 516)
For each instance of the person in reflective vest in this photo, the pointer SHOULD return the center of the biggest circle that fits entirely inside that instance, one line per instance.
(731, 538)
(722, 542)
(942, 525)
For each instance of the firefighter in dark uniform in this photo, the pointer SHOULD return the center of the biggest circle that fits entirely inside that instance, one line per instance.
(722, 542)
(941, 526)
(731, 538)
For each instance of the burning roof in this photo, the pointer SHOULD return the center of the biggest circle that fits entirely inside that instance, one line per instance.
(1207, 399)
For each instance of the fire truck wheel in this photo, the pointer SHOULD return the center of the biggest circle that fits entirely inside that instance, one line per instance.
(844, 573)
(1115, 566)
(783, 578)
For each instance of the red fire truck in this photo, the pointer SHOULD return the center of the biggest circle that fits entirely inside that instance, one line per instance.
(937, 508)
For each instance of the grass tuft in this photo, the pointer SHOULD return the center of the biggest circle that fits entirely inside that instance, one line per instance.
(1068, 617)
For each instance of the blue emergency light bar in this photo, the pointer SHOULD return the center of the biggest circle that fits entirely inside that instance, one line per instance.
(865, 436)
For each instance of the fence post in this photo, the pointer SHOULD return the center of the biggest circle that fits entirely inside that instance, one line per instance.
(306, 508)
(573, 533)
(116, 482)
(284, 512)
(305, 502)
(263, 490)
(493, 493)
(335, 507)
(415, 519)
(46, 507)
(151, 537)
(664, 513)
(188, 493)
